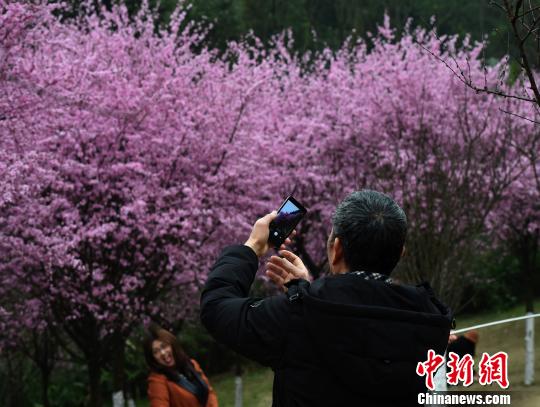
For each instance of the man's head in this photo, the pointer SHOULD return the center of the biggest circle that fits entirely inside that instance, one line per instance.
(368, 234)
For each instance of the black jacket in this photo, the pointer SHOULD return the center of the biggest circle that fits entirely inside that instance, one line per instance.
(341, 341)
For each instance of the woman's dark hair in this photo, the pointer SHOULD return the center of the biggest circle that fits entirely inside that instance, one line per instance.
(182, 361)
(372, 229)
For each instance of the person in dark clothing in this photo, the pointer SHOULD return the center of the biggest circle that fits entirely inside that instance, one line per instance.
(353, 338)
(464, 344)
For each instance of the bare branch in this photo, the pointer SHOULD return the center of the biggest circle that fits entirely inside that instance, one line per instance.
(469, 83)
(532, 10)
(235, 127)
(519, 3)
(523, 54)
(518, 115)
(530, 29)
(500, 6)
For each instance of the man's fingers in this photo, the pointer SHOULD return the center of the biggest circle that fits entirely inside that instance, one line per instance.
(269, 217)
(290, 256)
(276, 269)
(289, 240)
(275, 278)
(285, 244)
(282, 263)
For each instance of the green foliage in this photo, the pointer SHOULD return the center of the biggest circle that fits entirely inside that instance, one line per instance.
(68, 386)
(496, 285)
(20, 383)
(334, 21)
(15, 380)
(214, 357)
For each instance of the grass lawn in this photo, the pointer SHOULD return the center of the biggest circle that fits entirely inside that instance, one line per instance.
(257, 385)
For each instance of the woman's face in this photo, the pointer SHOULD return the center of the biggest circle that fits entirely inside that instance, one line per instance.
(163, 353)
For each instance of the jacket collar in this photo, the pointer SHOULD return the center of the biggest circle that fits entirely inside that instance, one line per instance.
(366, 275)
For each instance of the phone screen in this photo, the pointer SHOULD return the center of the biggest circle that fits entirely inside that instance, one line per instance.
(289, 214)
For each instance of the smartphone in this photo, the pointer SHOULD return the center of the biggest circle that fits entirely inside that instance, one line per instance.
(289, 214)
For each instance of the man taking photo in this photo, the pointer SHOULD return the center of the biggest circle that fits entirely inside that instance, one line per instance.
(353, 338)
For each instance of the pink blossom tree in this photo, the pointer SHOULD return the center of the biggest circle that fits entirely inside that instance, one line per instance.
(517, 225)
(26, 322)
(153, 157)
(391, 117)
(514, 220)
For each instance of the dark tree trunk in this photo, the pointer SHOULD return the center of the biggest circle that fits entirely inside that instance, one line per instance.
(527, 249)
(15, 389)
(314, 268)
(45, 379)
(94, 376)
(529, 292)
(44, 354)
(118, 363)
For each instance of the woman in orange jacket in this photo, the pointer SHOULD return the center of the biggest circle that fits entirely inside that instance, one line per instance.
(175, 380)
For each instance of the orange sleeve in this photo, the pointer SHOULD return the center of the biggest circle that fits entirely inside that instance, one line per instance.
(212, 397)
(158, 393)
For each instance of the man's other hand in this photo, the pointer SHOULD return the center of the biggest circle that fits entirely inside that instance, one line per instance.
(281, 270)
(258, 239)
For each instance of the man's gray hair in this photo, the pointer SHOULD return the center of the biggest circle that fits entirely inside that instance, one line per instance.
(372, 228)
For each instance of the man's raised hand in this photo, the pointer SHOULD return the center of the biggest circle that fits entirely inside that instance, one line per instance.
(283, 269)
(258, 239)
